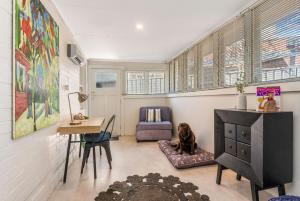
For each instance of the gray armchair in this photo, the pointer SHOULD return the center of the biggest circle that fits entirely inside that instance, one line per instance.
(152, 131)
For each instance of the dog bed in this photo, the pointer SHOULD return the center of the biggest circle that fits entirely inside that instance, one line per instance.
(286, 198)
(200, 158)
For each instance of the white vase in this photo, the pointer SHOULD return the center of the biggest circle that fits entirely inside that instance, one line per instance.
(241, 101)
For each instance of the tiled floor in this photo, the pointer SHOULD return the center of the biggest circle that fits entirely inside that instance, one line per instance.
(131, 158)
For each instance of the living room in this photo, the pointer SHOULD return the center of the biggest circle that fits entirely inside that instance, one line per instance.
(194, 100)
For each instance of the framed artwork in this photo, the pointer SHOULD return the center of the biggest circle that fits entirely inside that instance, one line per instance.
(35, 68)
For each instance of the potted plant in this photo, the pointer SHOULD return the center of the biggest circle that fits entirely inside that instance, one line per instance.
(241, 98)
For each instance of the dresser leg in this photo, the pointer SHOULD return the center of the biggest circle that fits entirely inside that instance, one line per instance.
(219, 174)
(238, 177)
(254, 191)
(281, 190)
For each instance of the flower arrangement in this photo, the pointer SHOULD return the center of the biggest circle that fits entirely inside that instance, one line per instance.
(240, 83)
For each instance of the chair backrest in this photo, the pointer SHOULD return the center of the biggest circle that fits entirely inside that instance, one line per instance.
(166, 113)
(111, 121)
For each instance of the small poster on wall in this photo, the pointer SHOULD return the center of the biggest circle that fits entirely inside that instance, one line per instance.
(268, 99)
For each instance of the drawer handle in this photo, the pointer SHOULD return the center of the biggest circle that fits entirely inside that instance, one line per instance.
(230, 146)
(244, 134)
(230, 131)
(244, 152)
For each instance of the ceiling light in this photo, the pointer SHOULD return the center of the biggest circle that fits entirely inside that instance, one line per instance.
(139, 27)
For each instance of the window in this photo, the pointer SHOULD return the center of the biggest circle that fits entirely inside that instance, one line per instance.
(207, 68)
(232, 44)
(156, 82)
(191, 68)
(171, 76)
(261, 45)
(176, 78)
(277, 48)
(145, 82)
(180, 73)
(136, 83)
(106, 80)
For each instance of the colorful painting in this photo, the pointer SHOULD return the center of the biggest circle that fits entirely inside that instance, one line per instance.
(36, 68)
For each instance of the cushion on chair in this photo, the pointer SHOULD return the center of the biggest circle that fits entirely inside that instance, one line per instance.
(166, 114)
(157, 115)
(100, 137)
(200, 158)
(150, 115)
(164, 125)
(286, 198)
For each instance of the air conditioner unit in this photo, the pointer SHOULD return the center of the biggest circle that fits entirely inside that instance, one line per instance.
(74, 55)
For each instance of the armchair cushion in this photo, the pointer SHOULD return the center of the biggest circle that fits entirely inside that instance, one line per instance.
(164, 125)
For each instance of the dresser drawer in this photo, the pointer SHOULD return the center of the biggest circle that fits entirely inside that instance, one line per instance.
(230, 146)
(230, 131)
(244, 134)
(244, 152)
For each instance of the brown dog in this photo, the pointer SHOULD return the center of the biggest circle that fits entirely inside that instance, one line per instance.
(186, 139)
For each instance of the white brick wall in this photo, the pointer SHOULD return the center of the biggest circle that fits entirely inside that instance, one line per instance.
(31, 167)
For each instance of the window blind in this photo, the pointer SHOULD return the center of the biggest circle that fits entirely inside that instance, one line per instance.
(171, 76)
(191, 68)
(176, 76)
(183, 71)
(276, 40)
(261, 45)
(231, 53)
(208, 70)
(180, 67)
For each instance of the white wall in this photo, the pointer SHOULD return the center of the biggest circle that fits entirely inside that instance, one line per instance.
(197, 109)
(31, 167)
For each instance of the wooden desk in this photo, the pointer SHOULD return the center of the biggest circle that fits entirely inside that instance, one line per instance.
(92, 125)
(88, 126)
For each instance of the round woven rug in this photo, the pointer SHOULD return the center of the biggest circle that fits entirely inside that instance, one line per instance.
(152, 187)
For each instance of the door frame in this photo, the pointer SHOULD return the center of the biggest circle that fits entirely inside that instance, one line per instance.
(120, 83)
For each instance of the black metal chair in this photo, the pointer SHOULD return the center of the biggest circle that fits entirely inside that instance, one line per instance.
(102, 140)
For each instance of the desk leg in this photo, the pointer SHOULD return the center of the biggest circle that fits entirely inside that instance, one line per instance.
(67, 158)
(94, 160)
(80, 144)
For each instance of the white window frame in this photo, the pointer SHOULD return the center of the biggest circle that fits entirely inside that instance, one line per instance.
(146, 89)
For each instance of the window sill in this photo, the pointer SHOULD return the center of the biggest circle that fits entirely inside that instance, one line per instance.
(144, 96)
(286, 87)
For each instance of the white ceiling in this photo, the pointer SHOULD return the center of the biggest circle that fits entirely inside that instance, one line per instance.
(105, 29)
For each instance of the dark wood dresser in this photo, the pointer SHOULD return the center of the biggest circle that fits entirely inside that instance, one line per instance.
(257, 146)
